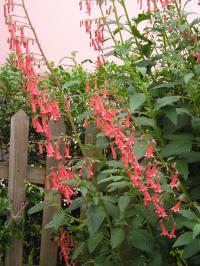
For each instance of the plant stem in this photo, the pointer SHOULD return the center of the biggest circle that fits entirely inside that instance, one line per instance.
(39, 46)
(117, 20)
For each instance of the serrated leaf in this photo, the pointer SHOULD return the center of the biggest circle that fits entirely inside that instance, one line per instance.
(136, 101)
(169, 100)
(183, 239)
(142, 17)
(37, 208)
(94, 241)
(112, 209)
(117, 237)
(123, 203)
(191, 249)
(95, 217)
(196, 230)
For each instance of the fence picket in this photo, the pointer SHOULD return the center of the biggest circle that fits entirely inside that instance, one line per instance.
(17, 175)
(48, 251)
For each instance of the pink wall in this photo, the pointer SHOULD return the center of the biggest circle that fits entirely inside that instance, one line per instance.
(57, 23)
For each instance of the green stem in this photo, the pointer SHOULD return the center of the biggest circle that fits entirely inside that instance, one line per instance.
(39, 46)
(117, 20)
(108, 27)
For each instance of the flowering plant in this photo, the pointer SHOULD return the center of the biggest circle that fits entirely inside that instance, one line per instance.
(132, 176)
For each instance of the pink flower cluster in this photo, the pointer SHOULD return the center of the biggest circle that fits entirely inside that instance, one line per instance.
(43, 107)
(66, 245)
(143, 176)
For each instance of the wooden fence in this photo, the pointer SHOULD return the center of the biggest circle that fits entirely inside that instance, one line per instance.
(17, 171)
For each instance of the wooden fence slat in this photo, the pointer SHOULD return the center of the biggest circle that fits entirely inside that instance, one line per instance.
(35, 175)
(17, 174)
(49, 249)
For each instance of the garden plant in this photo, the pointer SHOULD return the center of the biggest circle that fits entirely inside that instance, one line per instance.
(132, 195)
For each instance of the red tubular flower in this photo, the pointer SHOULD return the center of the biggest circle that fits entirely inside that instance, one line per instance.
(87, 87)
(57, 155)
(176, 208)
(150, 149)
(104, 91)
(127, 122)
(67, 151)
(147, 198)
(34, 105)
(114, 154)
(40, 148)
(82, 168)
(55, 112)
(37, 126)
(172, 233)
(49, 149)
(91, 170)
(164, 230)
(173, 183)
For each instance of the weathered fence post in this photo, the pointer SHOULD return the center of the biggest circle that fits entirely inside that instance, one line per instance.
(48, 251)
(17, 174)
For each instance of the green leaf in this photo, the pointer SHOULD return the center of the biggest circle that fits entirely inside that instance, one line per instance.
(188, 77)
(195, 121)
(117, 237)
(118, 185)
(76, 203)
(95, 217)
(191, 249)
(136, 101)
(141, 240)
(94, 241)
(182, 167)
(123, 203)
(192, 156)
(183, 239)
(188, 214)
(111, 178)
(112, 209)
(196, 230)
(141, 17)
(161, 102)
(171, 114)
(144, 121)
(140, 148)
(177, 148)
(78, 251)
(115, 164)
(37, 208)
(58, 220)
(165, 85)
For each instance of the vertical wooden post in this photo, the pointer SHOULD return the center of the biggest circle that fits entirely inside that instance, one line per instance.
(17, 174)
(48, 251)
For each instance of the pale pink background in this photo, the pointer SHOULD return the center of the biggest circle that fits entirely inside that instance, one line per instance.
(57, 23)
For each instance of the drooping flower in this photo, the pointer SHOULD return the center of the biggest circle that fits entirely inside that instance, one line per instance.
(114, 154)
(91, 170)
(49, 149)
(164, 230)
(150, 149)
(172, 233)
(57, 155)
(127, 122)
(176, 208)
(174, 183)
